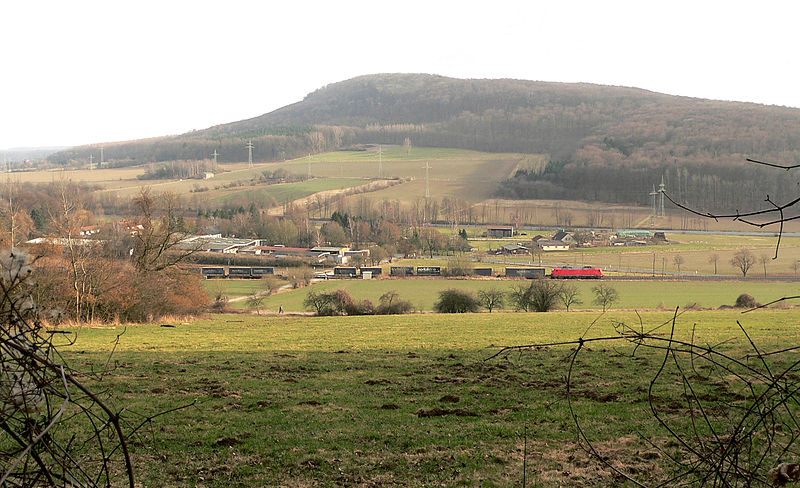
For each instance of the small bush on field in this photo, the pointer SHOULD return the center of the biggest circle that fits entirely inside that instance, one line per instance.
(390, 304)
(364, 307)
(540, 296)
(746, 301)
(456, 301)
(337, 302)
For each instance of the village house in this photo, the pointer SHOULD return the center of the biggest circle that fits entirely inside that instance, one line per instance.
(563, 236)
(550, 245)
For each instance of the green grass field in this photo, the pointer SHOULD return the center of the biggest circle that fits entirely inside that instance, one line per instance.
(405, 400)
(285, 192)
(423, 292)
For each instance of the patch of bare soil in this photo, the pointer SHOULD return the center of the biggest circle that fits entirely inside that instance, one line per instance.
(568, 464)
(441, 412)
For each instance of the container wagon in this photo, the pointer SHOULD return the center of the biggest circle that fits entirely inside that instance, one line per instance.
(259, 271)
(429, 271)
(402, 271)
(482, 271)
(344, 272)
(216, 272)
(240, 272)
(525, 273)
(585, 273)
(375, 270)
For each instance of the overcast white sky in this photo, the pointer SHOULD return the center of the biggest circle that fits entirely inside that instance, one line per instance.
(78, 72)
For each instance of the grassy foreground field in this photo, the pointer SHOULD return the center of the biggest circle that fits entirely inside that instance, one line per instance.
(422, 293)
(401, 401)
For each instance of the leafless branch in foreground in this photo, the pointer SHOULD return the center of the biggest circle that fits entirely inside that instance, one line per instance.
(54, 430)
(734, 422)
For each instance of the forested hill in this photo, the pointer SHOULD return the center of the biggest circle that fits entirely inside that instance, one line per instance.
(633, 133)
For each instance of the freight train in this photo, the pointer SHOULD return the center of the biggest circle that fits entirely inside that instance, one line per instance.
(245, 272)
(254, 272)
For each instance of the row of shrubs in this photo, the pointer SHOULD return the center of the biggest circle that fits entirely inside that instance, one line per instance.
(339, 302)
(540, 295)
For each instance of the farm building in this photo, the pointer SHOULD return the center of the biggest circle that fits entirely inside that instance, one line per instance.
(513, 249)
(634, 233)
(89, 230)
(547, 245)
(334, 250)
(221, 244)
(500, 231)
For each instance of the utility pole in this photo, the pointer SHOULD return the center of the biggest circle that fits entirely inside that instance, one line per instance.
(661, 190)
(427, 181)
(215, 158)
(653, 194)
(380, 162)
(249, 146)
(91, 161)
(100, 164)
(309, 166)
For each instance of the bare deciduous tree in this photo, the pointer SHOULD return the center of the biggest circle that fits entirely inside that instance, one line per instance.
(604, 295)
(491, 298)
(569, 295)
(743, 260)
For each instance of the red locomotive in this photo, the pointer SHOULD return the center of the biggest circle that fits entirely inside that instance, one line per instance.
(585, 273)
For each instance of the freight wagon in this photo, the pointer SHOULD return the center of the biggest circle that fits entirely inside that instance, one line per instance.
(240, 272)
(402, 271)
(345, 272)
(524, 272)
(215, 272)
(429, 271)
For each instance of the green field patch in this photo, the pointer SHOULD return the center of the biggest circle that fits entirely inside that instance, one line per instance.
(423, 292)
(287, 192)
(403, 401)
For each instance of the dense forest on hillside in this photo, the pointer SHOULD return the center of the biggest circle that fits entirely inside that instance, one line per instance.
(610, 143)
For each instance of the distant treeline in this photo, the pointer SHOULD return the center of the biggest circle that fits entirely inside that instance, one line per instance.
(703, 186)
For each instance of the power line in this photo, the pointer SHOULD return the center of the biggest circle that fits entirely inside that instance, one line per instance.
(380, 161)
(249, 147)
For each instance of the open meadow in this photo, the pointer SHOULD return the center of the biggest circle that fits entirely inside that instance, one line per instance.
(414, 400)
